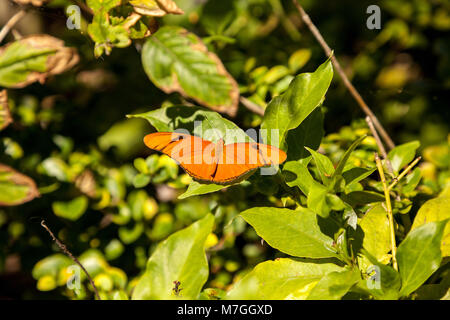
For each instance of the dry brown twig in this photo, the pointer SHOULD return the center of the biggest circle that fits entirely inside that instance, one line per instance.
(11, 22)
(64, 249)
(251, 106)
(340, 71)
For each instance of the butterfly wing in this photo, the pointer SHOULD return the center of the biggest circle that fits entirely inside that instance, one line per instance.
(193, 154)
(238, 159)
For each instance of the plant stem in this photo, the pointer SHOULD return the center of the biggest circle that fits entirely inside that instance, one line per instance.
(63, 248)
(404, 173)
(380, 145)
(251, 106)
(389, 211)
(11, 22)
(343, 76)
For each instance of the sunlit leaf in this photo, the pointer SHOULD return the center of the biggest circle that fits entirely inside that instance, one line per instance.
(177, 60)
(437, 209)
(287, 111)
(334, 285)
(295, 232)
(34, 58)
(403, 154)
(72, 209)
(419, 255)
(281, 279)
(181, 257)
(15, 188)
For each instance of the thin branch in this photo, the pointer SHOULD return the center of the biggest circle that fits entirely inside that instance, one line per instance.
(389, 211)
(380, 145)
(251, 106)
(342, 74)
(84, 7)
(64, 249)
(11, 22)
(404, 173)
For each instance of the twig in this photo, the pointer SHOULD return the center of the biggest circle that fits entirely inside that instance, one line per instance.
(404, 173)
(251, 106)
(342, 74)
(84, 7)
(11, 22)
(63, 248)
(380, 145)
(389, 211)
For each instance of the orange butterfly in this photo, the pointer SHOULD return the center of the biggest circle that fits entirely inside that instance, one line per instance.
(214, 162)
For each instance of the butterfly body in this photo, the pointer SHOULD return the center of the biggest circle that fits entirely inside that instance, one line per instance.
(210, 162)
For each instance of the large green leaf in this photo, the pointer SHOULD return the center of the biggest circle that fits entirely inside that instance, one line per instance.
(72, 209)
(403, 154)
(287, 111)
(419, 255)
(437, 209)
(376, 241)
(177, 60)
(181, 257)
(198, 121)
(317, 199)
(295, 232)
(15, 188)
(335, 285)
(34, 58)
(282, 279)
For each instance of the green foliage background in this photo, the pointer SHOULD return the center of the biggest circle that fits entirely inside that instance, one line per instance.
(113, 202)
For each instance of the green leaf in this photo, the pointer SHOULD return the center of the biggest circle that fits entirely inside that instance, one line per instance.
(290, 279)
(5, 114)
(376, 241)
(296, 233)
(403, 154)
(198, 121)
(195, 188)
(296, 174)
(107, 35)
(71, 210)
(141, 180)
(181, 257)
(51, 266)
(419, 255)
(287, 111)
(324, 166)
(334, 285)
(341, 165)
(298, 59)
(362, 197)
(15, 188)
(177, 60)
(356, 174)
(437, 209)
(308, 134)
(34, 58)
(383, 281)
(317, 200)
